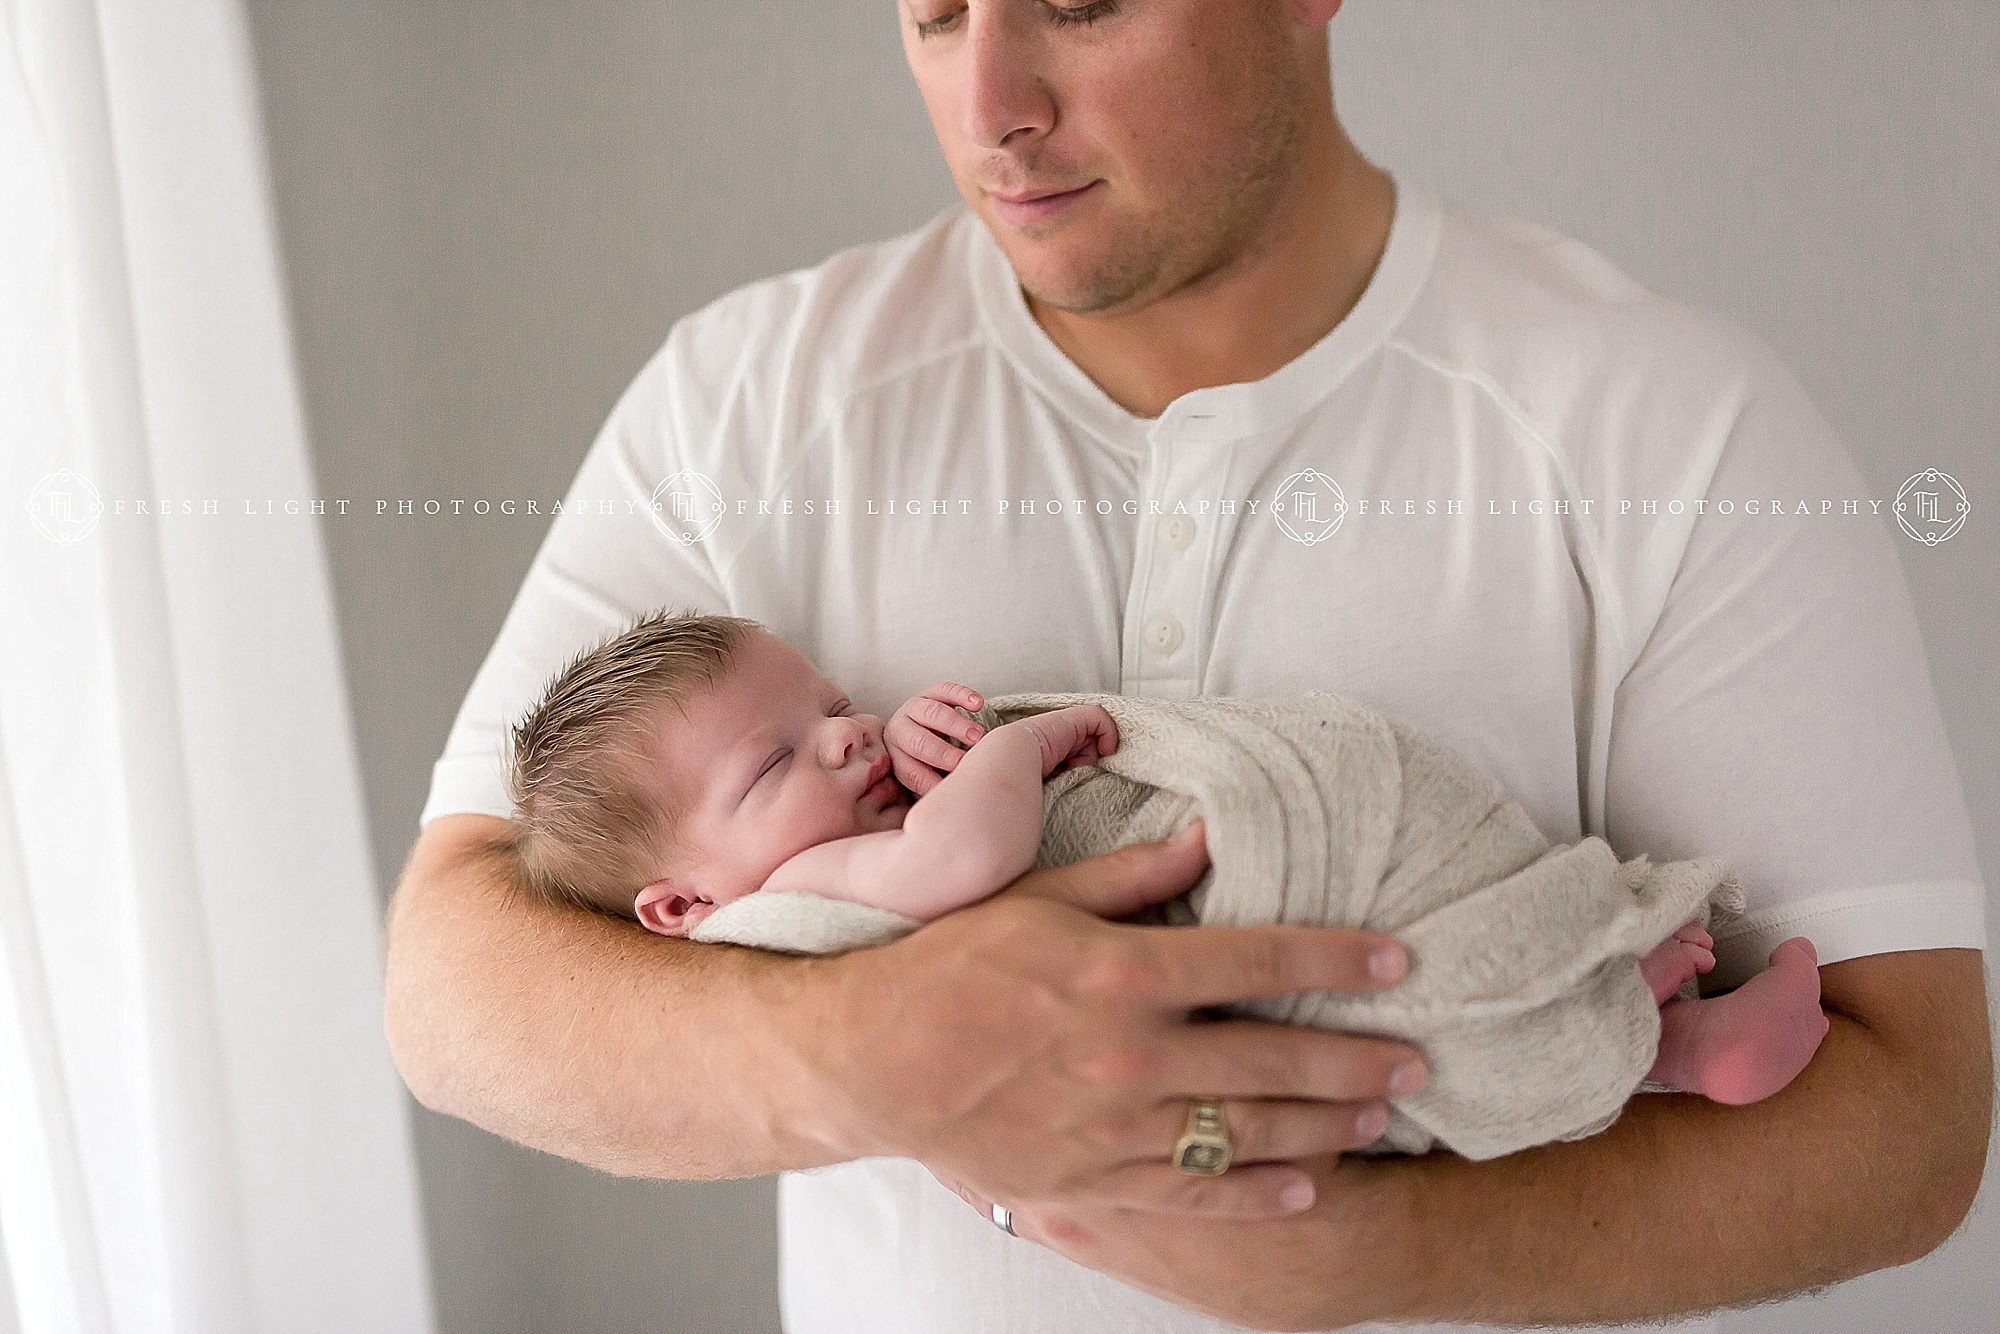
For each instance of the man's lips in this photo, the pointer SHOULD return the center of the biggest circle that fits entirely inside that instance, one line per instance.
(1024, 196)
(1034, 205)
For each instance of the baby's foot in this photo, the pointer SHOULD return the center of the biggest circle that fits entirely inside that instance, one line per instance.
(1752, 1042)
(1679, 957)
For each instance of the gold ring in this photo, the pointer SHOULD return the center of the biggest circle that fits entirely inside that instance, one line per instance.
(1204, 1148)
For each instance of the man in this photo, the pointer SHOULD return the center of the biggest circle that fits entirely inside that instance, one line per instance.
(1179, 289)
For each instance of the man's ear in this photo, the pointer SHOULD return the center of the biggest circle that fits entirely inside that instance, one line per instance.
(663, 907)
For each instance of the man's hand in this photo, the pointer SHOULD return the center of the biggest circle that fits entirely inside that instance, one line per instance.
(1870, 1158)
(1027, 1051)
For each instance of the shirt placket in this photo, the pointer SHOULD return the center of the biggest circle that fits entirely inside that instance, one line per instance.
(1174, 572)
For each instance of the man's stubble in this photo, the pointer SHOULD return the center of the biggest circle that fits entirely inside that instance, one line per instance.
(1224, 221)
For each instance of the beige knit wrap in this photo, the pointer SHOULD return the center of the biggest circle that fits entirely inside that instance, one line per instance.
(1524, 994)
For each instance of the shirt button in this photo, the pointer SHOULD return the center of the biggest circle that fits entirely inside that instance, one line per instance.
(1177, 532)
(1163, 633)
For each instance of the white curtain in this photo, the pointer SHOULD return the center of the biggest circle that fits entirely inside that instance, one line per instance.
(200, 1130)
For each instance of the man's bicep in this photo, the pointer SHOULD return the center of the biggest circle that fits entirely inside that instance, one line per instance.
(1780, 714)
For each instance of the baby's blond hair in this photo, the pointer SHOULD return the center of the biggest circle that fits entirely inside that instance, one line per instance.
(592, 822)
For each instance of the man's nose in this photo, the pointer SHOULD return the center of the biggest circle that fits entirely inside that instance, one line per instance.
(1006, 101)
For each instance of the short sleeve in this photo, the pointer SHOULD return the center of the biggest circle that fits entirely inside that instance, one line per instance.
(604, 563)
(1781, 714)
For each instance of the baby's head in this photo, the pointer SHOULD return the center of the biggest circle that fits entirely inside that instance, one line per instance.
(672, 768)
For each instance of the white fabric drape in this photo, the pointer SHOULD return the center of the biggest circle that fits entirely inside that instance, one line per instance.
(200, 1129)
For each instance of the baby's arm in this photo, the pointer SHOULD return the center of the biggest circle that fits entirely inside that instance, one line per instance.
(978, 829)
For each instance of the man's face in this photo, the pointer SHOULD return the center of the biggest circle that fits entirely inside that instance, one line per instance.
(768, 762)
(1118, 150)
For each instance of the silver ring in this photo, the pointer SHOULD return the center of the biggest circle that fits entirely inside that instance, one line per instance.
(1003, 1218)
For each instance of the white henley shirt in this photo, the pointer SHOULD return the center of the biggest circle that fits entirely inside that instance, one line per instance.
(1597, 541)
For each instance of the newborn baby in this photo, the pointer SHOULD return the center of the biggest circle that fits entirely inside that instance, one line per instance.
(693, 761)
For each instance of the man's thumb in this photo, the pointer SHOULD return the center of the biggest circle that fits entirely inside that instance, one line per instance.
(1121, 882)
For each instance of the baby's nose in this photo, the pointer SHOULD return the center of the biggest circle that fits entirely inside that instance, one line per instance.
(850, 734)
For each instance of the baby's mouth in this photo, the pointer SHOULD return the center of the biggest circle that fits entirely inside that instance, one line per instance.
(878, 773)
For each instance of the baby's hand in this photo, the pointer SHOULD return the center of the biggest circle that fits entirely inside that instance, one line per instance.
(919, 735)
(1078, 735)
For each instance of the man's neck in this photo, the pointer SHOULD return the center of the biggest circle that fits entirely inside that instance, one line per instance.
(1260, 310)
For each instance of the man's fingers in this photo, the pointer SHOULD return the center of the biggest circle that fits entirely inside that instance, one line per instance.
(1220, 964)
(1248, 1058)
(1123, 881)
(1242, 1193)
(1269, 1130)
(1256, 1191)
(1263, 1182)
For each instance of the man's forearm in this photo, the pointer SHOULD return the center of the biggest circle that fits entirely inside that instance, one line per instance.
(1685, 1205)
(1867, 1160)
(1021, 1045)
(625, 1005)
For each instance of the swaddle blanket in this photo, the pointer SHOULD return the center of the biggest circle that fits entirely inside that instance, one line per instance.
(1524, 992)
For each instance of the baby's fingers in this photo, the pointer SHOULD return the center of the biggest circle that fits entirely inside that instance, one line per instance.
(932, 715)
(911, 744)
(1107, 741)
(1103, 731)
(918, 778)
(950, 692)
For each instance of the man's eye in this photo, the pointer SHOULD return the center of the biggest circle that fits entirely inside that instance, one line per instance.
(1062, 16)
(1081, 16)
(941, 24)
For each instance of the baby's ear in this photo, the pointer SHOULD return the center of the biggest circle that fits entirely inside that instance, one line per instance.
(663, 908)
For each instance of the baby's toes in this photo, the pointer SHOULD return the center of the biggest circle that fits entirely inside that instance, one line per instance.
(1694, 935)
(1798, 952)
(1667, 967)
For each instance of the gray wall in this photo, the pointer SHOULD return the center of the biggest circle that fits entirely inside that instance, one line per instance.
(493, 211)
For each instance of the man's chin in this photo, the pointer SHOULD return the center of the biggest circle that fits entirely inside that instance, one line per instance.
(1073, 292)
(1074, 275)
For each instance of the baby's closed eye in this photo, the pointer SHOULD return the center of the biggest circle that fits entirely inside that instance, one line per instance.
(771, 766)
